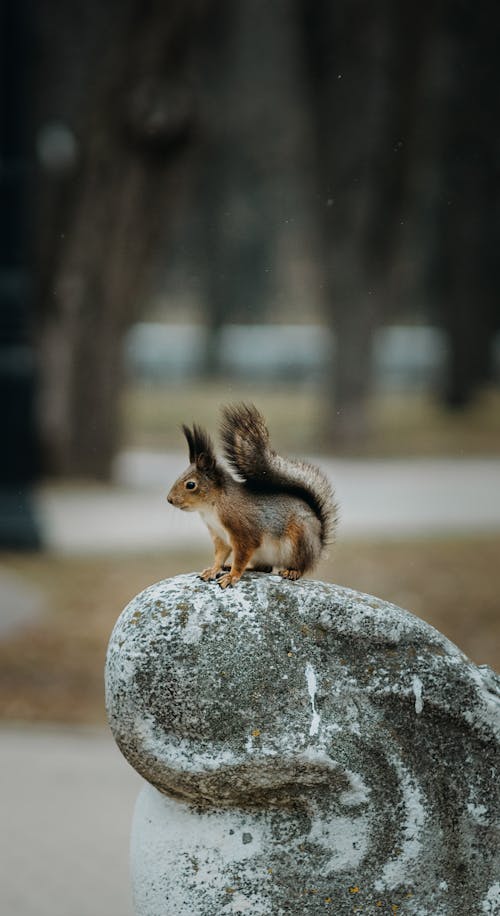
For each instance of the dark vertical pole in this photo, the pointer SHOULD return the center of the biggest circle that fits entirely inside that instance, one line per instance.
(18, 451)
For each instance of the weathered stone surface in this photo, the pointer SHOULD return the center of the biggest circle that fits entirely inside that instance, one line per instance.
(314, 749)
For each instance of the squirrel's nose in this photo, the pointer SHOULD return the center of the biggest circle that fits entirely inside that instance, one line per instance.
(170, 500)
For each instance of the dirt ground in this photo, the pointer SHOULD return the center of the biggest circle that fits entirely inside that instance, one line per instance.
(52, 670)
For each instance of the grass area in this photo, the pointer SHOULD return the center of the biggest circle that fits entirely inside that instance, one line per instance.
(153, 415)
(400, 425)
(53, 670)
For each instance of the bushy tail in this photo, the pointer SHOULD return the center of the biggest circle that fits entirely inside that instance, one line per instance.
(245, 440)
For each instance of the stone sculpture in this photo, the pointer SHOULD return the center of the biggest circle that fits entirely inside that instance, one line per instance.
(306, 749)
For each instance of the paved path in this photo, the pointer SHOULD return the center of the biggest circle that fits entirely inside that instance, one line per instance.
(66, 801)
(377, 499)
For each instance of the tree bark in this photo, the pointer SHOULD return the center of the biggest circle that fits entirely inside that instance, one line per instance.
(364, 65)
(113, 213)
(466, 266)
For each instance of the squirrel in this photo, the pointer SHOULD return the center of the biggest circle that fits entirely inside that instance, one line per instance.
(278, 512)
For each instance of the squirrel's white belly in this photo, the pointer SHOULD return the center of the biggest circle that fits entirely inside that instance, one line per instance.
(273, 552)
(212, 521)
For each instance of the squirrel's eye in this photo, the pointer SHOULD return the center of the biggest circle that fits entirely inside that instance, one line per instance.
(190, 485)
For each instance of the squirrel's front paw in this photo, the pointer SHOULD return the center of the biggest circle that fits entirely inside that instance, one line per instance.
(211, 573)
(227, 579)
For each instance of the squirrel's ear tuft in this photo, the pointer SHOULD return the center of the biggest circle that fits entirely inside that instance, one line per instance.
(190, 441)
(205, 461)
(201, 450)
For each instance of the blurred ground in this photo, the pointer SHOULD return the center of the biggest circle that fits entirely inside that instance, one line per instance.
(423, 533)
(66, 798)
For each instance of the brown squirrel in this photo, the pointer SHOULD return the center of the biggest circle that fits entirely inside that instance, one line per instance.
(280, 512)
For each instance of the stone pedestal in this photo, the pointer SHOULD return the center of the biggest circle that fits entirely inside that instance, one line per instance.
(307, 748)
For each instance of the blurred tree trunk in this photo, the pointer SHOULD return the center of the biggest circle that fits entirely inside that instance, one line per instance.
(106, 197)
(468, 216)
(253, 131)
(363, 64)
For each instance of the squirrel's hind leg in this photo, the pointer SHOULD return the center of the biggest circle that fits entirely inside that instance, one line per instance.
(304, 549)
(290, 573)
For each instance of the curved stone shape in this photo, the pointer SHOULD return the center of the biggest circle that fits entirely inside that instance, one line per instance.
(321, 749)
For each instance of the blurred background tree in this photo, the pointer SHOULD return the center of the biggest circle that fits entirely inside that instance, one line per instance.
(115, 112)
(331, 165)
(19, 458)
(463, 286)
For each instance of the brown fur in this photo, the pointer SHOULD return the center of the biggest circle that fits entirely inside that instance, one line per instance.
(245, 440)
(304, 560)
(281, 514)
